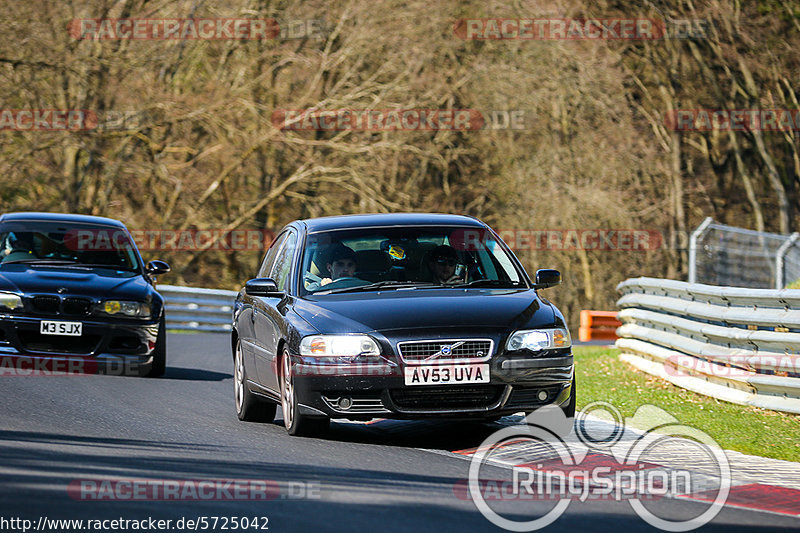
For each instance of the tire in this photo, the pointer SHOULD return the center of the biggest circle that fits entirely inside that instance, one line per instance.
(297, 424)
(569, 409)
(159, 365)
(249, 408)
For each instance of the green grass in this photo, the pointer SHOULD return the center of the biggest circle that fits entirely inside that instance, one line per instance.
(603, 377)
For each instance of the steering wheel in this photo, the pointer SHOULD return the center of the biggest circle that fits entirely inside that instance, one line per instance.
(341, 283)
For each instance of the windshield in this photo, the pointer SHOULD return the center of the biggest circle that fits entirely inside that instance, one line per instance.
(66, 243)
(380, 258)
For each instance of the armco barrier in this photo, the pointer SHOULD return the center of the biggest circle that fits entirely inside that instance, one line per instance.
(736, 344)
(198, 309)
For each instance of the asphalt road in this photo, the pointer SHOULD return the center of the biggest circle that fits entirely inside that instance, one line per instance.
(57, 431)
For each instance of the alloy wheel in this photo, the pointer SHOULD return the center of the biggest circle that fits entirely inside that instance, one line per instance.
(287, 395)
(238, 381)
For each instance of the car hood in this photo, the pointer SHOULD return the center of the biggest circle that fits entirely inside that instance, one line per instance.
(95, 282)
(425, 309)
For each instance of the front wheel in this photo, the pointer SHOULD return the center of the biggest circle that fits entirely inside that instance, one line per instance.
(248, 407)
(296, 423)
(569, 409)
(159, 365)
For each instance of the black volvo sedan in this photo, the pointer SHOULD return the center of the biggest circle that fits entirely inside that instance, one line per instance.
(74, 289)
(396, 316)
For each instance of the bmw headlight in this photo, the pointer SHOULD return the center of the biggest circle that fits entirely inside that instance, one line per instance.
(10, 300)
(537, 340)
(125, 308)
(338, 345)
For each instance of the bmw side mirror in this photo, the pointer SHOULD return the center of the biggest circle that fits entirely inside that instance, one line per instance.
(156, 268)
(263, 287)
(547, 277)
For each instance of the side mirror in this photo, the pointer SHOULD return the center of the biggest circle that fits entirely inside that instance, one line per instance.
(156, 268)
(547, 277)
(263, 287)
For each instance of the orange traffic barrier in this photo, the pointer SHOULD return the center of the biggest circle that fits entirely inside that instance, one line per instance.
(598, 325)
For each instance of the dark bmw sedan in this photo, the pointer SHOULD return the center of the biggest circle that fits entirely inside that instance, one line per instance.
(73, 288)
(396, 316)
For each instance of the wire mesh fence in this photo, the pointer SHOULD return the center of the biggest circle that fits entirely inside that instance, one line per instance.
(737, 257)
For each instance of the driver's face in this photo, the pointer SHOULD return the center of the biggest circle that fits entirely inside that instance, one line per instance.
(342, 268)
(443, 269)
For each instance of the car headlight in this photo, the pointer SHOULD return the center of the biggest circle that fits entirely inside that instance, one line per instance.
(338, 345)
(125, 308)
(537, 340)
(10, 300)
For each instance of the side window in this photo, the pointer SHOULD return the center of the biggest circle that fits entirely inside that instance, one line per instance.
(269, 258)
(283, 262)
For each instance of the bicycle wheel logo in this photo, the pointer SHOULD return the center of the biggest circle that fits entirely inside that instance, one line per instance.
(599, 460)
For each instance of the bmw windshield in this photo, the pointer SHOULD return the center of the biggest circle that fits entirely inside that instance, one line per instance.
(406, 257)
(67, 244)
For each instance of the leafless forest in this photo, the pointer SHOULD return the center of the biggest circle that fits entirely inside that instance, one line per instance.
(186, 139)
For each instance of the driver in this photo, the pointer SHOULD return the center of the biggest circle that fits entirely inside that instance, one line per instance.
(341, 264)
(442, 264)
(18, 247)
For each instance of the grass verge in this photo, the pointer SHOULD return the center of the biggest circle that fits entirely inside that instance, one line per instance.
(603, 377)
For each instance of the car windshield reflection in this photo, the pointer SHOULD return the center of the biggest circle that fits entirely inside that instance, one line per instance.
(43, 243)
(366, 259)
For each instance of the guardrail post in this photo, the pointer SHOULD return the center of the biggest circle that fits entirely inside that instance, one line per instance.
(780, 260)
(693, 248)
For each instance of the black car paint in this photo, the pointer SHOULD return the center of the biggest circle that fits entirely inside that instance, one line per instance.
(74, 281)
(267, 325)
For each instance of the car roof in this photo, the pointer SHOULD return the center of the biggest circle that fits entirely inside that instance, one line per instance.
(388, 219)
(59, 217)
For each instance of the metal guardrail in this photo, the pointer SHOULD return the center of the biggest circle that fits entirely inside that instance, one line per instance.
(198, 309)
(729, 256)
(736, 344)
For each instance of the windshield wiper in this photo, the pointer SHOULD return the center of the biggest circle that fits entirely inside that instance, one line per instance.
(70, 262)
(381, 284)
(491, 283)
(98, 265)
(41, 261)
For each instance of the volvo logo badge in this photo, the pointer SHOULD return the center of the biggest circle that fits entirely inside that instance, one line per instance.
(445, 349)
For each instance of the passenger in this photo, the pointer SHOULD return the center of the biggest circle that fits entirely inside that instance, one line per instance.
(442, 265)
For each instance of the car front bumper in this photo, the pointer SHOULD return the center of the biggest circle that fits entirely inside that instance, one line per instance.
(104, 347)
(367, 391)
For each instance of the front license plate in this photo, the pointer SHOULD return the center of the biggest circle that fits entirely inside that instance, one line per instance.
(54, 327)
(446, 375)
